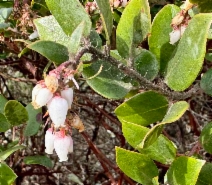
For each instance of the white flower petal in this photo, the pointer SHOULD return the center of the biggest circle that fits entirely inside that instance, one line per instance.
(34, 35)
(49, 141)
(40, 96)
(174, 36)
(58, 108)
(67, 94)
(62, 146)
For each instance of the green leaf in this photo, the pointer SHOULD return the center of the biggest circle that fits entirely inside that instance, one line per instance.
(5, 12)
(15, 113)
(35, 119)
(205, 175)
(184, 171)
(69, 14)
(76, 37)
(206, 138)
(7, 175)
(4, 125)
(204, 5)
(208, 56)
(205, 82)
(49, 30)
(159, 39)
(115, 54)
(184, 67)
(3, 101)
(146, 64)
(38, 159)
(137, 166)
(5, 154)
(95, 39)
(6, 4)
(155, 181)
(174, 113)
(133, 27)
(51, 50)
(108, 82)
(143, 109)
(162, 150)
(107, 17)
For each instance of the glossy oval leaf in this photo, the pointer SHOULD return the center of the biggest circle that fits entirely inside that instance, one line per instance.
(205, 82)
(184, 67)
(3, 101)
(146, 64)
(184, 171)
(133, 27)
(39, 159)
(205, 175)
(107, 80)
(162, 150)
(15, 113)
(175, 111)
(137, 166)
(51, 50)
(5, 154)
(4, 125)
(7, 176)
(159, 38)
(107, 17)
(69, 14)
(34, 122)
(49, 30)
(143, 109)
(206, 138)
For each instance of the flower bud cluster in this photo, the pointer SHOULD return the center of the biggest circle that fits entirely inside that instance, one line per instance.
(118, 3)
(55, 92)
(179, 23)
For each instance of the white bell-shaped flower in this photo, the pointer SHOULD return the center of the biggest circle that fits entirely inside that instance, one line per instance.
(124, 3)
(40, 96)
(175, 36)
(67, 94)
(49, 141)
(63, 145)
(58, 108)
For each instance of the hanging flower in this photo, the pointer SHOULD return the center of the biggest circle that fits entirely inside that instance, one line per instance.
(63, 145)
(58, 108)
(49, 141)
(67, 94)
(124, 3)
(40, 96)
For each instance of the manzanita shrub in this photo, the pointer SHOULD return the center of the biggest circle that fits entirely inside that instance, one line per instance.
(155, 81)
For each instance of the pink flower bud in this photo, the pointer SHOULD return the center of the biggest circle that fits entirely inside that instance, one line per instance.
(40, 96)
(174, 36)
(49, 141)
(62, 146)
(58, 108)
(67, 94)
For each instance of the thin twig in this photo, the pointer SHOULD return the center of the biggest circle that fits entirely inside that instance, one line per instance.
(144, 83)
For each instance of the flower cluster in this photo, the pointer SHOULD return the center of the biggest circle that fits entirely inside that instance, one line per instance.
(180, 23)
(55, 92)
